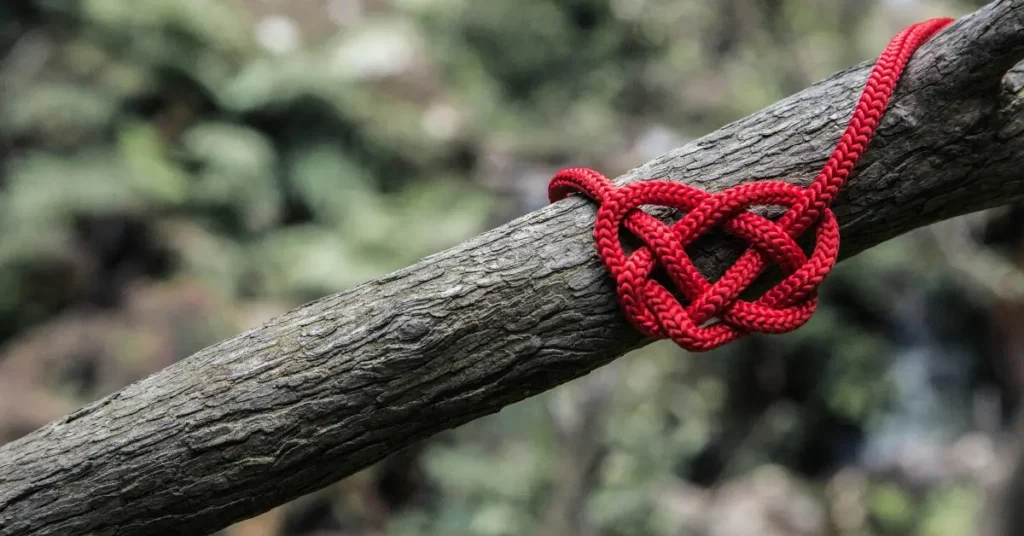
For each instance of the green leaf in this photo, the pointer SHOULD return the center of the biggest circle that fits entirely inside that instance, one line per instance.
(238, 170)
(154, 174)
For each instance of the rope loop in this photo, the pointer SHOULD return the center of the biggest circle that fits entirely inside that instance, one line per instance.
(714, 314)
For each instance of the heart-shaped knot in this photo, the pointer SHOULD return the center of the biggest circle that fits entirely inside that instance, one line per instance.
(655, 310)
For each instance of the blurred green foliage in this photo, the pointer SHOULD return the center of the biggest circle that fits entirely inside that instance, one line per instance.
(167, 112)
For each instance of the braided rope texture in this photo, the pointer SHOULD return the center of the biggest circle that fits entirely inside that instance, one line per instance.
(714, 314)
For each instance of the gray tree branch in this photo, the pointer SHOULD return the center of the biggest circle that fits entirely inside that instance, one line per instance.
(335, 385)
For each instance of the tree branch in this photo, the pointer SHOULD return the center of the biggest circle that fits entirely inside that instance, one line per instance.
(331, 387)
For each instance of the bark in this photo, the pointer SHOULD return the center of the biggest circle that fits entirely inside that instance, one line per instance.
(335, 385)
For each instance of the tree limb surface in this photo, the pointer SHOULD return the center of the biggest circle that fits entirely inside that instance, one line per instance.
(329, 388)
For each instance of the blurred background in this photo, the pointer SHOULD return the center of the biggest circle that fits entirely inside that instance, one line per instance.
(175, 171)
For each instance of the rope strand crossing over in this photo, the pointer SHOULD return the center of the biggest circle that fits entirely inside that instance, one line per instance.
(655, 311)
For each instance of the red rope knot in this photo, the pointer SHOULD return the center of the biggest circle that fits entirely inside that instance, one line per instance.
(714, 313)
(653, 309)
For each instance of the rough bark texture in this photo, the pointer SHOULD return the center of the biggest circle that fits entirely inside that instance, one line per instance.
(327, 389)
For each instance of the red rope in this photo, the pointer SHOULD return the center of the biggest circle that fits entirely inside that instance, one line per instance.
(655, 311)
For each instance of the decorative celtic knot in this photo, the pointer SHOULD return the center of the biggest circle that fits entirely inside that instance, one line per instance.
(654, 310)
